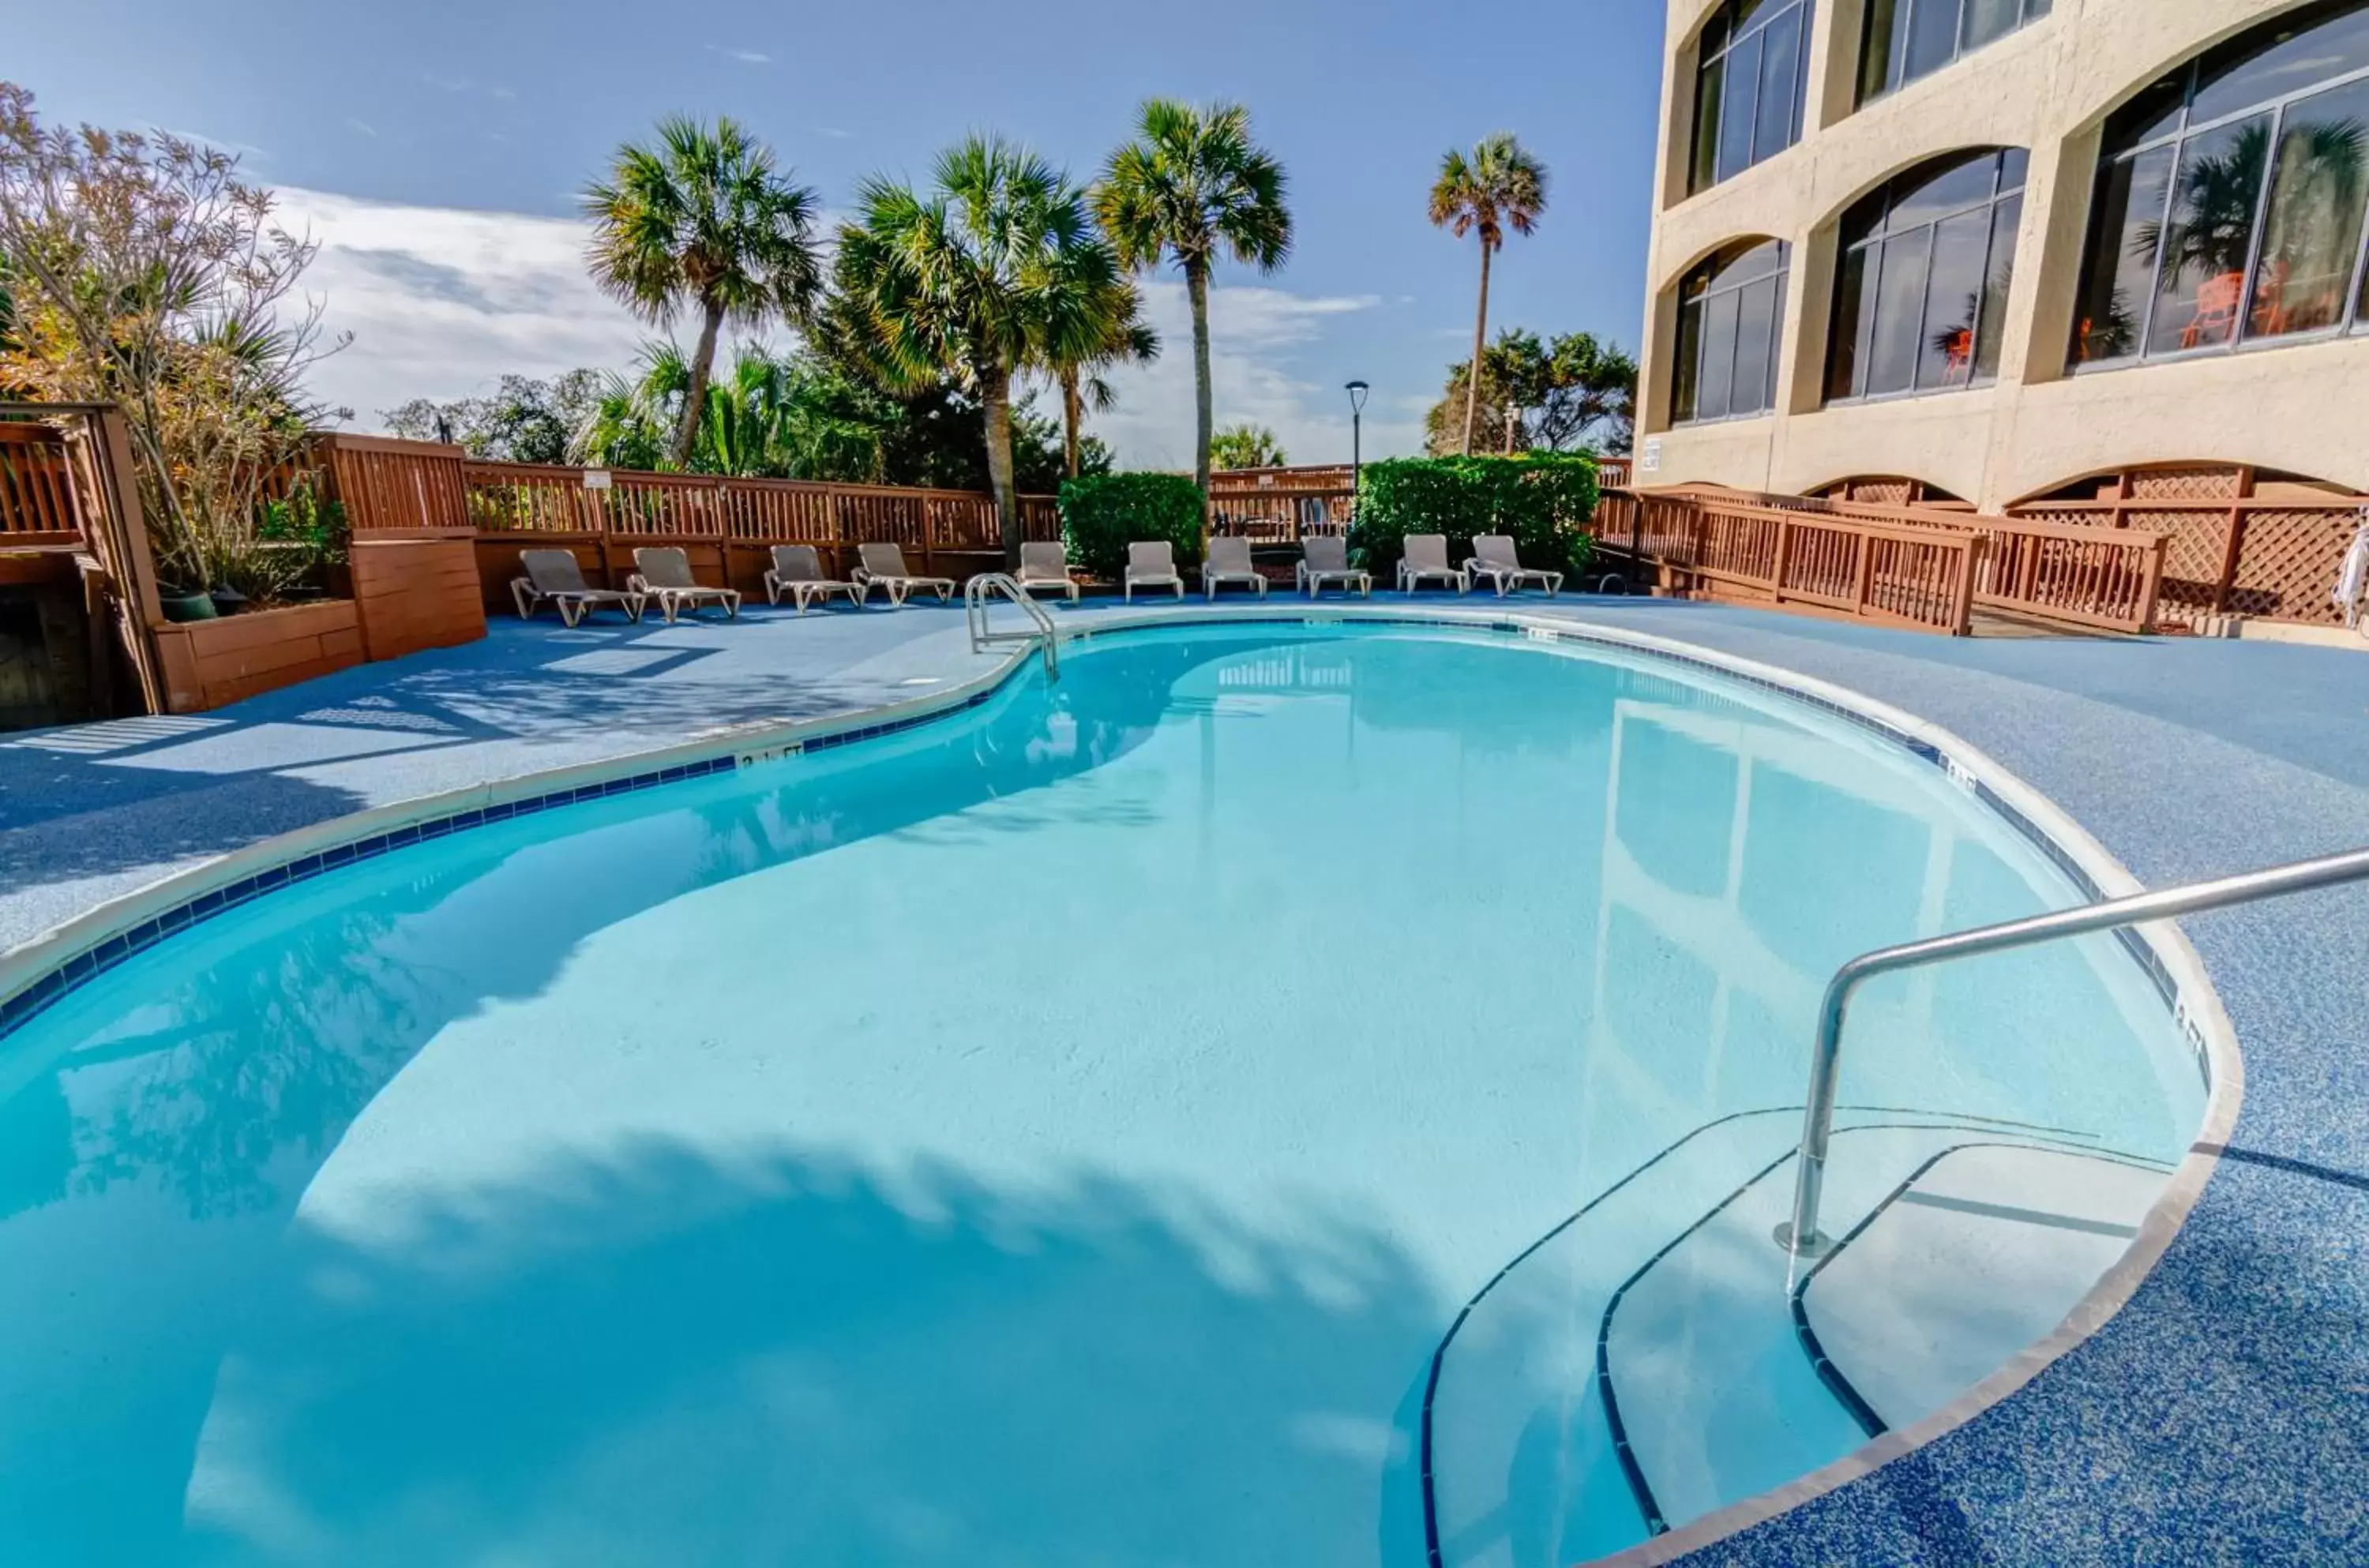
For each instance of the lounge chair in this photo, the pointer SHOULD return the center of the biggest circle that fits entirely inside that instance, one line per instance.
(1496, 562)
(662, 572)
(554, 575)
(1229, 562)
(1323, 560)
(1044, 565)
(1426, 561)
(1151, 564)
(797, 571)
(884, 564)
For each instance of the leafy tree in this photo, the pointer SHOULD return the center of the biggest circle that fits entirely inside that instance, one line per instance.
(1246, 446)
(526, 420)
(960, 287)
(1500, 185)
(1558, 396)
(1191, 185)
(1097, 326)
(702, 223)
(142, 271)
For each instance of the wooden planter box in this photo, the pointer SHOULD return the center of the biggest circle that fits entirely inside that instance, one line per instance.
(207, 664)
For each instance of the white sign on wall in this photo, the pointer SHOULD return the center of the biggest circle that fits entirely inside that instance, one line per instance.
(596, 478)
(1650, 460)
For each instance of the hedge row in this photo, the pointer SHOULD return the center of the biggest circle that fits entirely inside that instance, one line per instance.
(1102, 514)
(1544, 500)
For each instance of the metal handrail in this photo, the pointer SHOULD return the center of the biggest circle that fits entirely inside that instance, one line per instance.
(977, 593)
(1800, 1235)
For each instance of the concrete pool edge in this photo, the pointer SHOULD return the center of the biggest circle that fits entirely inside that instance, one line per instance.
(2196, 1006)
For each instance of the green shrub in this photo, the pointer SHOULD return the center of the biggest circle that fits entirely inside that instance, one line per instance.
(1102, 514)
(1544, 500)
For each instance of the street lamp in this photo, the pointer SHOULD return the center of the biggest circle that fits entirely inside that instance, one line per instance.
(1358, 390)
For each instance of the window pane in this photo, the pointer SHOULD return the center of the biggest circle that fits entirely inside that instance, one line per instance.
(2118, 268)
(1899, 312)
(1736, 117)
(1989, 19)
(2202, 281)
(1953, 302)
(1949, 190)
(2244, 72)
(1884, 18)
(1756, 318)
(1997, 283)
(1767, 257)
(1684, 364)
(1845, 353)
(1719, 356)
(1780, 56)
(1932, 38)
(2015, 165)
(2312, 233)
(1708, 87)
(2034, 9)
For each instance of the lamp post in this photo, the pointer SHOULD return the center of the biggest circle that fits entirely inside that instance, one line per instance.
(1358, 390)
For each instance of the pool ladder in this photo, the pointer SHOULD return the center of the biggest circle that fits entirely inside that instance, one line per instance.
(979, 597)
(1800, 1235)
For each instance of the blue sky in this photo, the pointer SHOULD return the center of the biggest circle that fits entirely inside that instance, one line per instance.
(435, 148)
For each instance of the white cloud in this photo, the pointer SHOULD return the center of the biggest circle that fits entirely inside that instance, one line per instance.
(441, 302)
(746, 56)
(834, 132)
(1256, 334)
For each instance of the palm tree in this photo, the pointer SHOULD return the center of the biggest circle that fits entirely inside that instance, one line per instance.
(1191, 184)
(962, 286)
(1500, 185)
(1095, 325)
(701, 221)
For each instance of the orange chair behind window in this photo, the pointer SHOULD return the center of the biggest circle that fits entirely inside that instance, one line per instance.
(2217, 302)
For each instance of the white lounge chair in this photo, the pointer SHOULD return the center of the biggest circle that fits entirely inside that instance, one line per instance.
(1323, 560)
(884, 564)
(797, 571)
(1229, 562)
(1496, 562)
(1426, 561)
(662, 572)
(1151, 564)
(1045, 565)
(554, 575)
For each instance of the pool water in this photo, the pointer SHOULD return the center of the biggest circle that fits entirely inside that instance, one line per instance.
(1061, 1134)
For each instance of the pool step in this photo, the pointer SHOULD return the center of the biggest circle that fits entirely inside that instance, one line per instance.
(1709, 1375)
(1521, 1467)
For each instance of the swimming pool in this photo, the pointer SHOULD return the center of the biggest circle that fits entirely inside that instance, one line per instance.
(1066, 1131)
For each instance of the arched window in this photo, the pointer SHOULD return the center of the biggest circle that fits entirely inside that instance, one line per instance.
(2229, 198)
(1749, 76)
(1731, 311)
(1920, 299)
(1907, 39)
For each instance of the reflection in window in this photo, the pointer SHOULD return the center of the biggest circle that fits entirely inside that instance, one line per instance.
(2230, 196)
(1907, 39)
(1730, 311)
(1749, 85)
(1920, 297)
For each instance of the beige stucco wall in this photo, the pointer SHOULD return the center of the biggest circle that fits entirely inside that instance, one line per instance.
(2045, 88)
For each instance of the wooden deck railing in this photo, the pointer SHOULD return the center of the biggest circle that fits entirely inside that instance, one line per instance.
(37, 489)
(1283, 514)
(2276, 556)
(1864, 567)
(507, 499)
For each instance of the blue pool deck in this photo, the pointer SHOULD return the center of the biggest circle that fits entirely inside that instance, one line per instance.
(2222, 1416)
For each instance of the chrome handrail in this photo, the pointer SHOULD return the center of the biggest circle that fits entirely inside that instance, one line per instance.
(1800, 1234)
(976, 594)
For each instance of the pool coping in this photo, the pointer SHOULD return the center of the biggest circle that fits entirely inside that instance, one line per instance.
(36, 974)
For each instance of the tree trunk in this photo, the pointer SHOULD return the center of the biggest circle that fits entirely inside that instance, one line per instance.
(1197, 285)
(1072, 415)
(695, 401)
(996, 392)
(1479, 341)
